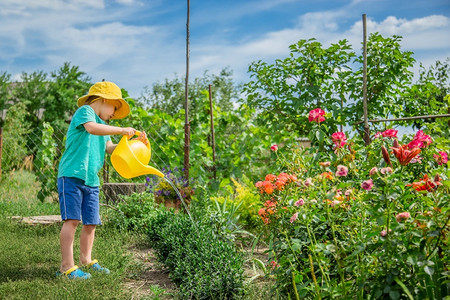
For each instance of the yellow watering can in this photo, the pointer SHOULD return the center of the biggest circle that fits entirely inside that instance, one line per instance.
(130, 158)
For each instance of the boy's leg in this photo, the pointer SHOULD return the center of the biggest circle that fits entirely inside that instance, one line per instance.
(86, 243)
(66, 237)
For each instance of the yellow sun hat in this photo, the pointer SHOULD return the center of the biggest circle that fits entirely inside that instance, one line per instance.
(109, 91)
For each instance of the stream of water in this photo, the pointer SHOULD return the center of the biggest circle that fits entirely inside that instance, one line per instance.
(181, 198)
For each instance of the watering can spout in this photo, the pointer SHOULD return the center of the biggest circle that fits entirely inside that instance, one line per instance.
(130, 158)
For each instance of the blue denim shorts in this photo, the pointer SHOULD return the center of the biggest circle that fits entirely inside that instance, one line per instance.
(78, 201)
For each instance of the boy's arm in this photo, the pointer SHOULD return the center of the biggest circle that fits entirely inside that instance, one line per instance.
(110, 146)
(102, 129)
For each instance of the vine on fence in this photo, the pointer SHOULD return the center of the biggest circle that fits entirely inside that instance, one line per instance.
(45, 163)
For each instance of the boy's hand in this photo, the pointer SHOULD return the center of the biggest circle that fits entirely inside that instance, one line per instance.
(128, 131)
(143, 137)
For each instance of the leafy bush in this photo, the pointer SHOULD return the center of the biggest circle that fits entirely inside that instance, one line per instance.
(202, 266)
(14, 138)
(45, 164)
(243, 193)
(134, 212)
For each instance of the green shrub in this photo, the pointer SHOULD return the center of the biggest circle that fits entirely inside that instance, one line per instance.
(200, 264)
(45, 164)
(133, 212)
(244, 193)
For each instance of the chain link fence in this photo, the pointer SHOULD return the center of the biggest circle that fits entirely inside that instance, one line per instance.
(39, 150)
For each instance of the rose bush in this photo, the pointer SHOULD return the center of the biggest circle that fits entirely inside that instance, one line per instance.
(362, 222)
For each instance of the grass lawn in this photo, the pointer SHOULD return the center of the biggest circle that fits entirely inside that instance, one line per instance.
(30, 255)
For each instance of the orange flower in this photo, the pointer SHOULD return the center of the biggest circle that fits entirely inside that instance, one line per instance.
(263, 215)
(268, 187)
(404, 155)
(271, 177)
(425, 184)
(327, 175)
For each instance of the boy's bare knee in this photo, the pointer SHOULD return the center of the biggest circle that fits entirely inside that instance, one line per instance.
(73, 223)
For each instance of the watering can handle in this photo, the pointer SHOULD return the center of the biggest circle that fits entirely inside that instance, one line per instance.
(139, 133)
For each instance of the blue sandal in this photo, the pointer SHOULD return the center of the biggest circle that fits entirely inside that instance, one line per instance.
(93, 265)
(74, 273)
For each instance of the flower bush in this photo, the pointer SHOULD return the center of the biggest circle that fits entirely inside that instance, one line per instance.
(362, 222)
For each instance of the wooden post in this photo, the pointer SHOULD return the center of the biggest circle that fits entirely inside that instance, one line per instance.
(212, 132)
(1, 149)
(366, 123)
(186, 103)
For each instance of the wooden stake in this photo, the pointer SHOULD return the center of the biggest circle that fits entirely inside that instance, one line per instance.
(186, 103)
(366, 123)
(212, 132)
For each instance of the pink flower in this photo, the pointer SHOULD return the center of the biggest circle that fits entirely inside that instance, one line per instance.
(341, 171)
(402, 216)
(383, 233)
(316, 115)
(373, 171)
(334, 203)
(308, 182)
(420, 140)
(299, 202)
(441, 158)
(367, 185)
(417, 159)
(390, 133)
(274, 147)
(339, 139)
(387, 170)
(348, 192)
(415, 144)
(377, 135)
(294, 217)
(274, 264)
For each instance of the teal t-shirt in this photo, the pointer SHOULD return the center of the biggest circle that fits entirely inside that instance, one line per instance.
(85, 152)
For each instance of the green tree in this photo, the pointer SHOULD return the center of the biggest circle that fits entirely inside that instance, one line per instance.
(389, 77)
(32, 91)
(16, 129)
(311, 77)
(426, 95)
(331, 78)
(67, 85)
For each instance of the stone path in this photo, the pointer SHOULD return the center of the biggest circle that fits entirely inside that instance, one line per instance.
(35, 220)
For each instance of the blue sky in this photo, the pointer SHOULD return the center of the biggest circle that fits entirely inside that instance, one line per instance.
(136, 43)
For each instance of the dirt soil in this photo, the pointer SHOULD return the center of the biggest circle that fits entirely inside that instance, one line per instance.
(148, 278)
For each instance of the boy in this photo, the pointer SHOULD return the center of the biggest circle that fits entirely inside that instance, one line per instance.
(78, 182)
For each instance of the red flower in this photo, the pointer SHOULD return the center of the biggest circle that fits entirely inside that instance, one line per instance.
(316, 115)
(274, 147)
(385, 154)
(404, 155)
